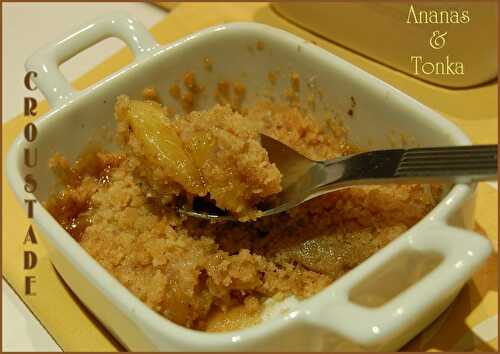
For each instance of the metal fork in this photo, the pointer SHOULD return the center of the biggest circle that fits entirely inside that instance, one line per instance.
(304, 179)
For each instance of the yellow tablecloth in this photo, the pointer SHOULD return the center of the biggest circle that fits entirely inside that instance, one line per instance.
(469, 324)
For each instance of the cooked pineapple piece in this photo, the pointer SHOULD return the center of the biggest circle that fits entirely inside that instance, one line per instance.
(160, 144)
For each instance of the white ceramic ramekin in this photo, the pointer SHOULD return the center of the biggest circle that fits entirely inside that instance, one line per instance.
(379, 305)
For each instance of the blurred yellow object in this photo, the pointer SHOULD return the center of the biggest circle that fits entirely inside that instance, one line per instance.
(428, 40)
(167, 5)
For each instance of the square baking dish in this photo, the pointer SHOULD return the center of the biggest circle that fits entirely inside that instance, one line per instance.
(379, 305)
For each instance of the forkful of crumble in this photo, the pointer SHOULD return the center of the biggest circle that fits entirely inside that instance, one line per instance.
(217, 165)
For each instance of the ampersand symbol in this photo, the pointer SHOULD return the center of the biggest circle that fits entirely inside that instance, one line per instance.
(437, 40)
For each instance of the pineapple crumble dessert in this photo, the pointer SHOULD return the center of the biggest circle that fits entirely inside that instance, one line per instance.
(214, 153)
(120, 207)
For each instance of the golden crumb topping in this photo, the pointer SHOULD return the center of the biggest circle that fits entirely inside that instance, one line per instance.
(120, 207)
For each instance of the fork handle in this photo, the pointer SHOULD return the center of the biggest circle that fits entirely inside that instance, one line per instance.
(457, 164)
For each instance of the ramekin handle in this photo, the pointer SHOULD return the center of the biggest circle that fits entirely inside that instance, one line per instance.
(45, 61)
(374, 327)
